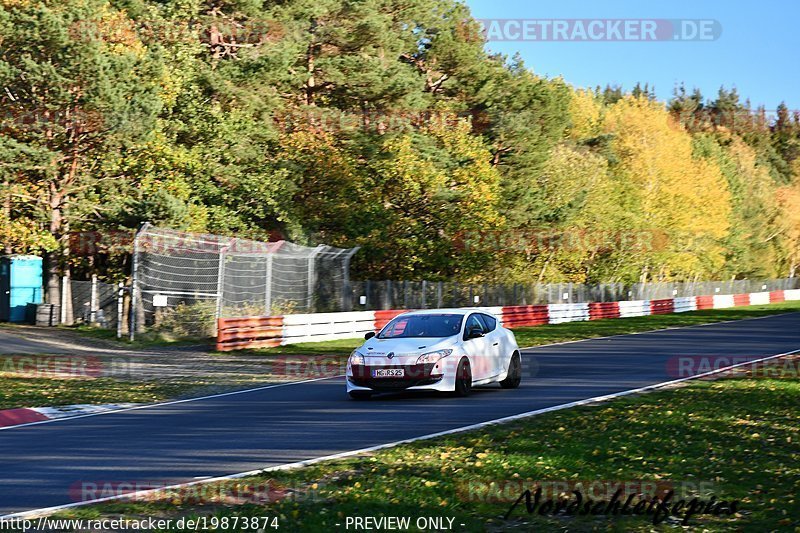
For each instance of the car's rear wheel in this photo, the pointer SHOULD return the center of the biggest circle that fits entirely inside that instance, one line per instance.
(360, 394)
(514, 375)
(463, 378)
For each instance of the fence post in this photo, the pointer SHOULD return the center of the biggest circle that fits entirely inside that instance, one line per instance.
(268, 287)
(93, 304)
(120, 308)
(220, 286)
(312, 273)
(66, 298)
(135, 289)
(347, 289)
(424, 296)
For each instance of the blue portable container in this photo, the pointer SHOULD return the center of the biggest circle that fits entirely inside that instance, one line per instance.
(20, 284)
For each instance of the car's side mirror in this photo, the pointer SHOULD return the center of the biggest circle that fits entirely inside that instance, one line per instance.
(474, 333)
(369, 335)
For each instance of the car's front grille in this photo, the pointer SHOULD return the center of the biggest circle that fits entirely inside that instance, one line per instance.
(415, 376)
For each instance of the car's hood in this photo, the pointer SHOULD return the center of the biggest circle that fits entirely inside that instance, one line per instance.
(404, 350)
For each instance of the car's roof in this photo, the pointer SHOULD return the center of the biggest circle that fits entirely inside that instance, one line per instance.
(448, 311)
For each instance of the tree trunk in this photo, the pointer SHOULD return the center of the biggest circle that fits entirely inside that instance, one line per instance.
(645, 271)
(52, 259)
(311, 84)
(6, 215)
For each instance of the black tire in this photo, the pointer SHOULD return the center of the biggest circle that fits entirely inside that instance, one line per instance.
(514, 376)
(463, 378)
(360, 394)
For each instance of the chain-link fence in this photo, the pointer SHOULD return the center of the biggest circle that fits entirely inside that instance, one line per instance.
(371, 295)
(94, 303)
(183, 281)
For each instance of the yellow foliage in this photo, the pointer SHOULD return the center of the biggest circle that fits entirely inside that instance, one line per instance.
(568, 173)
(585, 114)
(113, 28)
(685, 199)
(789, 203)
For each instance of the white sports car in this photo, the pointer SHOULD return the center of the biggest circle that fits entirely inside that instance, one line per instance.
(438, 349)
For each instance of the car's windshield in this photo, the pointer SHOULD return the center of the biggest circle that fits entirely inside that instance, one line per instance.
(422, 326)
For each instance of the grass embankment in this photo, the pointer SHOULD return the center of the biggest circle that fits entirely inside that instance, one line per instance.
(49, 392)
(736, 439)
(142, 340)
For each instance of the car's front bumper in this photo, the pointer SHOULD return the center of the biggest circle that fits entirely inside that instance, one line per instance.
(416, 377)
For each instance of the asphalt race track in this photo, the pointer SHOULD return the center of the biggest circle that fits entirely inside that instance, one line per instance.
(217, 436)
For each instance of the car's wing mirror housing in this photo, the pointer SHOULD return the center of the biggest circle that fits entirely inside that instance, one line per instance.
(369, 335)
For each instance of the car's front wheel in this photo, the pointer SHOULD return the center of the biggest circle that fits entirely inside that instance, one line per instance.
(360, 394)
(463, 378)
(514, 375)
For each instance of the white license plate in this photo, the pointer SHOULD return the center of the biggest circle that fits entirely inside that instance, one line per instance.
(388, 373)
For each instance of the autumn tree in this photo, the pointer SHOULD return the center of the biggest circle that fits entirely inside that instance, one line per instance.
(670, 192)
(77, 83)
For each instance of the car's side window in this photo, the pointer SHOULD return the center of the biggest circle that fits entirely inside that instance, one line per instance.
(489, 322)
(472, 322)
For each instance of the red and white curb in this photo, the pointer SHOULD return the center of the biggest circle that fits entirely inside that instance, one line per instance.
(27, 415)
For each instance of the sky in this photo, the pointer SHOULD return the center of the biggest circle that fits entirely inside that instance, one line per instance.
(756, 50)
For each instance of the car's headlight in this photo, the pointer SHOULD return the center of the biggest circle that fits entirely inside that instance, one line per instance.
(356, 358)
(433, 357)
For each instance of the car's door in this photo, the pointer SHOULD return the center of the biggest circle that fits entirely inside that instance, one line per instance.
(495, 345)
(478, 348)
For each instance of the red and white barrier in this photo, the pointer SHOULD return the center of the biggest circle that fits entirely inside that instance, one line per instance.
(704, 302)
(254, 332)
(314, 327)
(632, 308)
(723, 301)
(663, 306)
(759, 298)
(601, 310)
(685, 303)
(560, 313)
(793, 294)
(517, 316)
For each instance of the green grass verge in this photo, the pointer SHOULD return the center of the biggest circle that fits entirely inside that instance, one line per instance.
(737, 439)
(47, 392)
(338, 347)
(143, 340)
